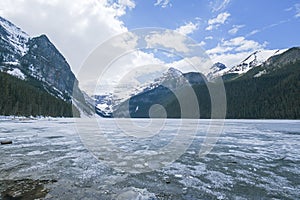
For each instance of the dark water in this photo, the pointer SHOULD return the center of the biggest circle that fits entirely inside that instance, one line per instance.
(252, 159)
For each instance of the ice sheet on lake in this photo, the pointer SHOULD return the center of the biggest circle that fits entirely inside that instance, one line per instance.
(252, 159)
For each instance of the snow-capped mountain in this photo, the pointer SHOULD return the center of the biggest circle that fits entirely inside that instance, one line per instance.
(122, 92)
(14, 38)
(104, 104)
(288, 57)
(216, 70)
(13, 46)
(255, 59)
(268, 90)
(172, 79)
(23, 56)
(37, 59)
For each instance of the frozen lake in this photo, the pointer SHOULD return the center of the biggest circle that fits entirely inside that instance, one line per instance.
(252, 159)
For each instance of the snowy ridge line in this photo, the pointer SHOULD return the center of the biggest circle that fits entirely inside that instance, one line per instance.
(255, 59)
(16, 36)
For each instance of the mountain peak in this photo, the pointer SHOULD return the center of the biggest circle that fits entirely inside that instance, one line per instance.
(218, 66)
(216, 70)
(43, 37)
(255, 59)
(174, 72)
(14, 36)
(10, 27)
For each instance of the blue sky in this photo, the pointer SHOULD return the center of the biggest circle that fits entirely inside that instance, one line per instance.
(273, 22)
(227, 30)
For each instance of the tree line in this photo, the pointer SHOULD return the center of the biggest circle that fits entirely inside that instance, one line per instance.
(21, 98)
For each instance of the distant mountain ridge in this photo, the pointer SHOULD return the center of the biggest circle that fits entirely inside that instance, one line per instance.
(255, 59)
(170, 80)
(259, 75)
(216, 70)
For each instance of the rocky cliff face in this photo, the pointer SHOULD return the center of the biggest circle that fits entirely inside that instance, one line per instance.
(44, 62)
(39, 60)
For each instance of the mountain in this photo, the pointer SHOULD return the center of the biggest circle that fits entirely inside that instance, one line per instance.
(13, 41)
(171, 80)
(270, 90)
(104, 105)
(255, 59)
(216, 70)
(29, 98)
(289, 56)
(267, 89)
(165, 89)
(275, 63)
(37, 62)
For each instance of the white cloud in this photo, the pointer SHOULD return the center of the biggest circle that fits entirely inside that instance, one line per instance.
(202, 43)
(242, 44)
(126, 41)
(217, 21)
(235, 29)
(168, 39)
(229, 59)
(192, 64)
(297, 8)
(199, 44)
(124, 71)
(209, 28)
(253, 32)
(218, 5)
(163, 3)
(267, 27)
(234, 50)
(127, 3)
(220, 19)
(209, 37)
(219, 49)
(188, 28)
(289, 9)
(75, 27)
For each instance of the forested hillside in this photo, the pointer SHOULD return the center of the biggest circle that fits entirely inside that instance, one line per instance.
(25, 98)
(273, 96)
